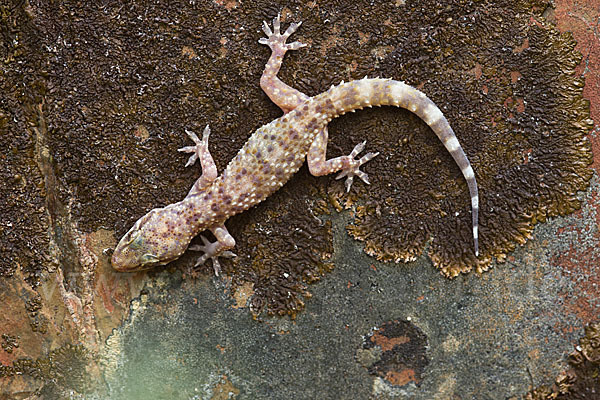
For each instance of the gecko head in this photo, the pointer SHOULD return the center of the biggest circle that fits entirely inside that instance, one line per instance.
(145, 246)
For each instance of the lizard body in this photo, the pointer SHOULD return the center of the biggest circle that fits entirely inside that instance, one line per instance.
(268, 160)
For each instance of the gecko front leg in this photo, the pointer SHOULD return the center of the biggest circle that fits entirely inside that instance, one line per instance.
(213, 250)
(209, 173)
(348, 165)
(200, 152)
(286, 97)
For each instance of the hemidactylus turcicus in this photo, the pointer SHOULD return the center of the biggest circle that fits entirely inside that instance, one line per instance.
(269, 158)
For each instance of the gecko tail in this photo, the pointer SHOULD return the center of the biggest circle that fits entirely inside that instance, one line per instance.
(366, 92)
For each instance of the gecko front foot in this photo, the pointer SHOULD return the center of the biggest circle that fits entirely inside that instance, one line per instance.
(200, 152)
(213, 250)
(353, 170)
(276, 41)
(200, 148)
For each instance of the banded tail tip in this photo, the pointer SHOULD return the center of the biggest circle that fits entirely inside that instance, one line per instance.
(476, 241)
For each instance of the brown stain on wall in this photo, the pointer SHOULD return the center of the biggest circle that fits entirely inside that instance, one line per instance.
(579, 262)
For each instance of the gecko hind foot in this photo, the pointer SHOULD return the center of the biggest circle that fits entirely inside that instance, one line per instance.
(276, 40)
(212, 250)
(353, 170)
(200, 148)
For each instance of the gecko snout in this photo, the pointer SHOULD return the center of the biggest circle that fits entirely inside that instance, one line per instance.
(132, 251)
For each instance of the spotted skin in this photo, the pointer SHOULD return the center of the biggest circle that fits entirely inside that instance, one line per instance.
(268, 160)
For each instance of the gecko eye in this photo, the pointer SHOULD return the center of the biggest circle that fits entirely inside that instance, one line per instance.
(130, 237)
(133, 237)
(149, 259)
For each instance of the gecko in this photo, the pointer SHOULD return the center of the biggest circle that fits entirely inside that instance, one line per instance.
(270, 157)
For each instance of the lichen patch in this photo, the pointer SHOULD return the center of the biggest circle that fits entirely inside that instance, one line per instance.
(519, 115)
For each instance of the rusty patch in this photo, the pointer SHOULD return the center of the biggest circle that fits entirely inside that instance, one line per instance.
(580, 266)
(224, 389)
(581, 18)
(242, 293)
(396, 352)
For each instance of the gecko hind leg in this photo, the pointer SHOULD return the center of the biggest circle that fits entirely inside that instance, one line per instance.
(213, 250)
(348, 166)
(286, 97)
(353, 168)
(200, 152)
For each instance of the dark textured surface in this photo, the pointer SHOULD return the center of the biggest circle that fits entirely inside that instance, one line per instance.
(94, 102)
(119, 93)
(23, 233)
(287, 244)
(518, 111)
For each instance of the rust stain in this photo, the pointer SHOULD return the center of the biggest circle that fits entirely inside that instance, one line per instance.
(141, 132)
(396, 352)
(388, 343)
(242, 293)
(581, 267)
(223, 49)
(477, 70)
(522, 47)
(225, 389)
(515, 76)
(581, 18)
(228, 4)
(401, 378)
(363, 37)
(189, 51)
(520, 105)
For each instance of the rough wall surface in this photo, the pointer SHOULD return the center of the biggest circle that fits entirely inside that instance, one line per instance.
(95, 99)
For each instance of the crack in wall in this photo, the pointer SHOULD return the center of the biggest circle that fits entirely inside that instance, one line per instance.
(73, 258)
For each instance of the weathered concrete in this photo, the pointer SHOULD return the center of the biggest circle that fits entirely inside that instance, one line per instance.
(94, 102)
